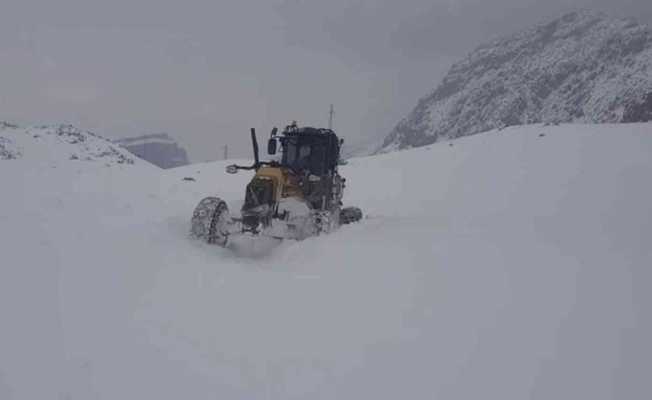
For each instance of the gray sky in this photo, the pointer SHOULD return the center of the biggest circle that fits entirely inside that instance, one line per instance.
(205, 71)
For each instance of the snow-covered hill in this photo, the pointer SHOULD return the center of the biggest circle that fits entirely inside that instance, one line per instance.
(510, 265)
(581, 67)
(59, 143)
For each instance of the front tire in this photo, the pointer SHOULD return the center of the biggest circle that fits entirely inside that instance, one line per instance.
(210, 221)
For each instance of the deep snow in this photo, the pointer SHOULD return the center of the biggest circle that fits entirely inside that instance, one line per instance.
(507, 265)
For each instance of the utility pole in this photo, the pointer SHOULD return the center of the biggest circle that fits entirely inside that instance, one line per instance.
(226, 151)
(331, 114)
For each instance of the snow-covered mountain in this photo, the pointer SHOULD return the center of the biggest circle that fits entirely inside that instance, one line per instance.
(581, 67)
(58, 143)
(160, 149)
(482, 270)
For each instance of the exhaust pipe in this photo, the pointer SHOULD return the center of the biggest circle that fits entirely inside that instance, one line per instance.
(232, 169)
(254, 141)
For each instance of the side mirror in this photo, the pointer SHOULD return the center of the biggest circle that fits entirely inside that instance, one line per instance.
(271, 146)
(231, 169)
(341, 141)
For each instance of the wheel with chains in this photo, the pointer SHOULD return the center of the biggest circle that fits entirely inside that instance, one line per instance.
(210, 220)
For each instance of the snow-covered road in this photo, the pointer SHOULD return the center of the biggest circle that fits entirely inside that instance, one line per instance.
(509, 265)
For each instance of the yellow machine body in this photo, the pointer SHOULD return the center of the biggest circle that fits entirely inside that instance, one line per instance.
(285, 183)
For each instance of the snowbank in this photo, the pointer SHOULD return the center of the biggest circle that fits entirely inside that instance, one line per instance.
(508, 265)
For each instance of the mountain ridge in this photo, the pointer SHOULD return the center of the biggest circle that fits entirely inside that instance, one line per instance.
(580, 67)
(59, 143)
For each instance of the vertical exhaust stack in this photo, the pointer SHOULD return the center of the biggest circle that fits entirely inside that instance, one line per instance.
(254, 142)
(232, 169)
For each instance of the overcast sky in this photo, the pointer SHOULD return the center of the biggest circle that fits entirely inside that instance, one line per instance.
(205, 71)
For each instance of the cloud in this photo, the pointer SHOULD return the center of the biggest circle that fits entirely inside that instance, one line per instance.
(205, 71)
(73, 93)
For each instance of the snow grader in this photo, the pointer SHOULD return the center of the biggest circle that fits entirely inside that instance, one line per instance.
(295, 197)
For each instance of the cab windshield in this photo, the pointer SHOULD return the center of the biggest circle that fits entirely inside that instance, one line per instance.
(296, 155)
(305, 154)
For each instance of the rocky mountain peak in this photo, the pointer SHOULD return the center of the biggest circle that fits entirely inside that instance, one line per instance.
(580, 67)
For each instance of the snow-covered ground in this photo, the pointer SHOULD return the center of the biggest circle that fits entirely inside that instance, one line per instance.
(507, 265)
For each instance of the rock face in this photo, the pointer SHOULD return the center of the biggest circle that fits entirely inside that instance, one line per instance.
(582, 67)
(159, 149)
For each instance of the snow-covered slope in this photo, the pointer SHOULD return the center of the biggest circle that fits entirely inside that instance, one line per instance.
(510, 265)
(581, 67)
(59, 143)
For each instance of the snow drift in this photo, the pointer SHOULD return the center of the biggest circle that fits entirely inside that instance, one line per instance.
(509, 265)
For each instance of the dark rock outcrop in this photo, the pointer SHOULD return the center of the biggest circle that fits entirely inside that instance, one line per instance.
(159, 149)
